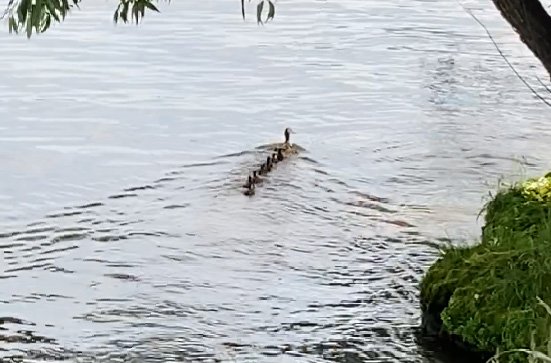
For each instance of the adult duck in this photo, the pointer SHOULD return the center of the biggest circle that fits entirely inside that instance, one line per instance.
(287, 148)
(250, 190)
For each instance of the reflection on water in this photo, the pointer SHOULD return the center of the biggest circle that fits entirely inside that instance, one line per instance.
(124, 233)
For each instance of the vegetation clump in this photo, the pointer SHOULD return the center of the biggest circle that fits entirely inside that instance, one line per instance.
(487, 296)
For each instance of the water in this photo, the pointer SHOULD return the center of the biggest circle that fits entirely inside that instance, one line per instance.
(124, 236)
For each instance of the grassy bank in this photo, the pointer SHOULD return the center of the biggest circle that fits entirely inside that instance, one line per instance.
(487, 294)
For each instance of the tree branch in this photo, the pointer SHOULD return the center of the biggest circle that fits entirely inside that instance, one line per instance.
(505, 58)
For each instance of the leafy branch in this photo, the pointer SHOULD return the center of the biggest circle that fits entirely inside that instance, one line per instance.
(259, 10)
(36, 16)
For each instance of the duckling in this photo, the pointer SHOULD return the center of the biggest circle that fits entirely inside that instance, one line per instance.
(249, 191)
(263, 169)
(274, 159)
(249, 182)
(256, 178)
(280, 156)
(268, 163)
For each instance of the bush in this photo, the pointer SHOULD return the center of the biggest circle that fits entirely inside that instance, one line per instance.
(487, 294)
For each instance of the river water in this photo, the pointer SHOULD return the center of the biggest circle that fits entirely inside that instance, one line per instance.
(125, 237)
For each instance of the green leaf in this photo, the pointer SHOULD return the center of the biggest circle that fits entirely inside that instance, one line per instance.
(23, 10)
(12, 25)
(271, 12)
(135, 12)
(259, 12)
(37, 15)
(141, 7)
(64, 8)
(46, 24)
(124, 12)
(150, 6)
(52, 10)
(30, 24)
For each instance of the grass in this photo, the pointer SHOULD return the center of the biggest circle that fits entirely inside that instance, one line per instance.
(487, 294)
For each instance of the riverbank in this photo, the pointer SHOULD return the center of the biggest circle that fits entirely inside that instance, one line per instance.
(485, 296)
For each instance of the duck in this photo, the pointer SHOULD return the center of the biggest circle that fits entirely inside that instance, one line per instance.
(249, 182)
(287, 133)
(280, 156)
(256, 178)
(287, 147)
(268, 163)
(249, 191)
(262, 170)
(275, 159)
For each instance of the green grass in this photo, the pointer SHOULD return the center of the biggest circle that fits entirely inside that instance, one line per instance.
(488, 293)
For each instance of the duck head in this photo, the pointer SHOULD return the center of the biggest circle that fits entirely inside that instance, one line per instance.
(287, 134)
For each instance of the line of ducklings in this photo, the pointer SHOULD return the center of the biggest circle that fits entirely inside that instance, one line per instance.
(280, 153)
(265, 168)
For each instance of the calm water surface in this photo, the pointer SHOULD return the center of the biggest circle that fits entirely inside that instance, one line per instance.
(124, 236)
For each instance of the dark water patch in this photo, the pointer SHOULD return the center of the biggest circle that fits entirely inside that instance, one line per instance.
(121, 276)
(58, 250)
(125, 222)
(122, 196)
(140, 188)
(486, 156)
(410, 179)
(319, 171)
(63, 214)
(69, 237)
(314, 162)
(25, 337)
(165, 179)
(369, 205)
(338, 182)
(90, 205)
(108, 263)
(236, 154)
(72, 229)
(51, 297)
(32, 231)
(112, 300)
(371, 197)
(12, 320)
(29, 267)
(52, 353)
(177, 206)
(12, 245)
(149, 234)
(396, 222)
(207, 163)
(325, 188)
(85, 220)
(31, 238)
(110, 238)
(5, 277)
